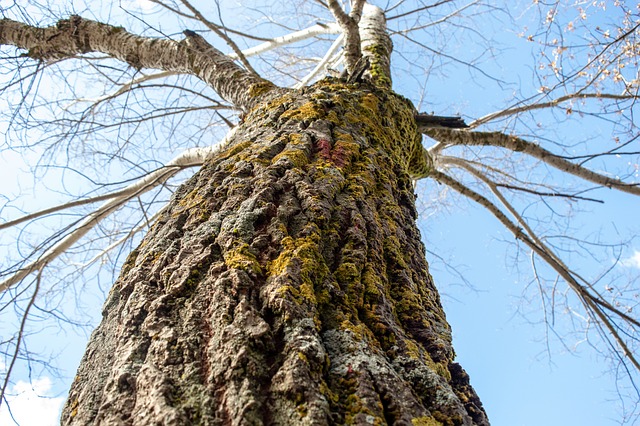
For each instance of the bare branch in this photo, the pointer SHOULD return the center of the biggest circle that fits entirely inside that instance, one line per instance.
(189, 158)
(195, 18)
(216, 29)
(376, 45)
(194, 55)
(125, 87)
(550, 104)
(21, 335)
(438, 21)
(548, 194)
(349, 25)
(593, 303)
(324, 62)
(294, 37)
(420, 9)
(126, 237)
(465, 163)
(460, 137)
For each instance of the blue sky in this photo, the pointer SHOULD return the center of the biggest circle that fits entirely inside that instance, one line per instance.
(505, 354)
(497, 324)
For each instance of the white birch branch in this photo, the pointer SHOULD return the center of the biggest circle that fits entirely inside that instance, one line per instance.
(376, 45)
(331, 28)
(322, 65)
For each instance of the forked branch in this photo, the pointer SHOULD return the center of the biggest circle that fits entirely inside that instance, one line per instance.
(216, 29)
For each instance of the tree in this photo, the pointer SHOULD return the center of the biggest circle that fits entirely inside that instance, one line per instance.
(285, 281)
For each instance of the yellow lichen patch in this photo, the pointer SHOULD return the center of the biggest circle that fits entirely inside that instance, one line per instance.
(296, 150)
(360, 331)
(278, 266)
(370, 101)
(323, 296)
(439, 367)
(443, 371)
(258, 112)
(190, 200)
(355, 407)
(241, 257)
(371, 281)
(194, 204)
(258, 89)
(332, 116)
(287, 289)
(346, 272)
(346, 140)
(308, 111)
(74, 408)
(380, 116)
(307, 291)
(301, 255)
(295, 139)
(233, 149)
(425, 421)
(329, 393)
(298, 157)
(412, 349)
(379, 76)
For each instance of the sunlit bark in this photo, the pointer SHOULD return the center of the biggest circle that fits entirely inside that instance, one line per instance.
(285, 284)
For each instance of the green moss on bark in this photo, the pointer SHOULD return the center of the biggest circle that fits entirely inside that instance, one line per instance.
(286, 283)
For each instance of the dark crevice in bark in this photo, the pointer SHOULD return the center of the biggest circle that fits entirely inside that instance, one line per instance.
(389, 411)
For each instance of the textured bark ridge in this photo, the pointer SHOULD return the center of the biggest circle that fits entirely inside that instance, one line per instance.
(286, 284)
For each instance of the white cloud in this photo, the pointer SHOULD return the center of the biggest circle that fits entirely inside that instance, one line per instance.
(633, 261)
(31, 405)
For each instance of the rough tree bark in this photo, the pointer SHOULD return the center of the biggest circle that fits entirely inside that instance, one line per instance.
(285, 284)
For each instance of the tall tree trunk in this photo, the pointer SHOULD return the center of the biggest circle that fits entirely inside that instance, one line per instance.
(285, 284)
